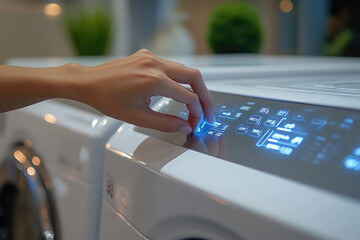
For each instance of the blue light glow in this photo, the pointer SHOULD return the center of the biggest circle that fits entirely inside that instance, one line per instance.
(280, 136)
(284, 129)
(349, 121)
(282, 113)
(254, 119)
(255, 132)
(273, 146)
(357, 152)
(319, 122)
(271, 122)
(286, 150)
(352, 163)
(297, 140)
(264, 110)
(290, 126)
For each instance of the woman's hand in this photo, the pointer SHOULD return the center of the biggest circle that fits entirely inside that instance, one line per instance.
(122, 89)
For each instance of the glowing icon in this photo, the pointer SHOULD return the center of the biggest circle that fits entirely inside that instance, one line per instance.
(225, 113)
(349, 121)
(290, 126)
(242, 129)
(237, 115)
(254, 119)
(297, 140)
(357, 152)
(200, 127)
(271, 122)
(217, 124)
(352, 163)
(219, 134)
(255, 132)
(320, 122)
(245, 108)
(286, 150)
(264, 110)
(211, 132)
(298, 117)
(282, 113)
(273, 146)
(224, 127)
(280, 136)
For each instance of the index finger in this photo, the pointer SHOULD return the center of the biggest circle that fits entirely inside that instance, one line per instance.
(191, 76)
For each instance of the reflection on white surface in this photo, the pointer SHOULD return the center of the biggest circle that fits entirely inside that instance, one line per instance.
(219, 200)
(84, 155)
(103, 123)
(122, 197)
(108, 145)
(122, 154)
(120, 129)
(50, 118)
(61, 188)
(94, 122)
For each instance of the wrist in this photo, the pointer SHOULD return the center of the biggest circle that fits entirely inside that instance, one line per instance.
(69, 82)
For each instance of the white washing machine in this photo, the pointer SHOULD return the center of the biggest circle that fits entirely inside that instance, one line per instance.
(51, 171)
(282, 161)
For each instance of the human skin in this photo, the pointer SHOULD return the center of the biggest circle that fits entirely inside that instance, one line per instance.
(120, 89)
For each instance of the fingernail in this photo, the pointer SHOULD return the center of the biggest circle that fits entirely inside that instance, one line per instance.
(185, 130)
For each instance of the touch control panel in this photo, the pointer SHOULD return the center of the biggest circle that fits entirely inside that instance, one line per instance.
(312, 144)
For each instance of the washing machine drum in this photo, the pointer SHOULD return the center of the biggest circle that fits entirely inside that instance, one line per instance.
(27, 208)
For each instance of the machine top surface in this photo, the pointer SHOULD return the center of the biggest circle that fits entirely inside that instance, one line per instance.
(313, 144)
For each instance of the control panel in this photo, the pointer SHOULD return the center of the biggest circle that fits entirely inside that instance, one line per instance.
(313, 144)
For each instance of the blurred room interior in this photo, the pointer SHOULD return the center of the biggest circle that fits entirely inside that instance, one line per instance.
(38, 28)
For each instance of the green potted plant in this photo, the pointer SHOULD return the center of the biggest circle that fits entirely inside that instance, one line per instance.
(235, 28)
(90, 30)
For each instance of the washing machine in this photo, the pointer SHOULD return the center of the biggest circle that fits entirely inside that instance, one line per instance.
(282, 161)
(51, 170)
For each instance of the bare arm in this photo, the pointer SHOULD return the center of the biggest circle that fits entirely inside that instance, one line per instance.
(121, 89)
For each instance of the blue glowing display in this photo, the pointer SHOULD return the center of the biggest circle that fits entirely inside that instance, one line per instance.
(315, 145)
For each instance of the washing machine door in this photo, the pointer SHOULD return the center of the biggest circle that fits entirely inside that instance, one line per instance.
(27, 209)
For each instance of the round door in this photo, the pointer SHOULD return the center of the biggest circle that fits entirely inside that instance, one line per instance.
(27, 208)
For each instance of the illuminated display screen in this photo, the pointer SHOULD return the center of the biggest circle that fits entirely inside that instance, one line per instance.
(311, 144)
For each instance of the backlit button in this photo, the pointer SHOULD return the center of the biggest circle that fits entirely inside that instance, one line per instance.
(255, 132)
(282, 113)
(245, 108)
(242, 129)
(225, 114)
(271, 122)
(319, 122)
(264, 110)
(229, 114)
(254, 119)
(298, 117)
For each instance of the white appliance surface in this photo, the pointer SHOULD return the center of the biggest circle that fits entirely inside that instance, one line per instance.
(163, 189)
(69, 141)
(229, 66)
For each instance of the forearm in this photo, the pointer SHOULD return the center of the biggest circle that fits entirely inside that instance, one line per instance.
(21, 86)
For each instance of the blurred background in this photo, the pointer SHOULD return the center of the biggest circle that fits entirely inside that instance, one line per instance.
(39, 28)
